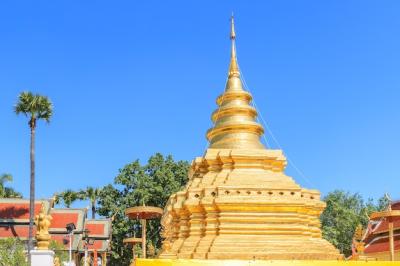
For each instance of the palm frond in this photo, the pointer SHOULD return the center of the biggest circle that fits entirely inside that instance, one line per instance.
(34, 105)
(69, 196)
(11, 193)
(5, 177)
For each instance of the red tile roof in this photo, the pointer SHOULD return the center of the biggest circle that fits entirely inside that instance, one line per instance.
(60, 220)
(14, 222)
(95, 229)
(384, 227)
(377, 239)
(99, 228)
(98, 245)
(20, 231)
(17, 211)
(382, 244)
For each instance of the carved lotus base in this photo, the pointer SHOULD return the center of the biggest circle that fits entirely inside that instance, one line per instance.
(43, 241)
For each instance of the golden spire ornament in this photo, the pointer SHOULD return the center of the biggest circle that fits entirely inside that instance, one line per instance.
(233, 68)
(234, 120)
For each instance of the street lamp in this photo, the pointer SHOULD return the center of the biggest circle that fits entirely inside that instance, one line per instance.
(88, 242)
(70, 230)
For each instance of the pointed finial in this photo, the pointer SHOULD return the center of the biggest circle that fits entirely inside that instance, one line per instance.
(387, 197)
(233, 35)
(233, 68)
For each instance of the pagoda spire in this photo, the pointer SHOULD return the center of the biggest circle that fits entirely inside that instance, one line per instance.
(235, 125)
(238, 203)
(233, 68)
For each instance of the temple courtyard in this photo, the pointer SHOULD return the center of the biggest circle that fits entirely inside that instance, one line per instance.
(236, 204)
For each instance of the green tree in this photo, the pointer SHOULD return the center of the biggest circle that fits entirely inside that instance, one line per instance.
(12, 252)
(7, 192)
(92, 194)
(59, 251)
(35, 107)
(67, 197)
(137, 184)
(343, 212)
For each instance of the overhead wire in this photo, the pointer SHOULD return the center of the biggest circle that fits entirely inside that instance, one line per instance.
(261, 120)
(268, 129)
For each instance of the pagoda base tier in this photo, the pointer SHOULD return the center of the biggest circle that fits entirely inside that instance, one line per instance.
(184, 262)
(256, 247)
(239, 204)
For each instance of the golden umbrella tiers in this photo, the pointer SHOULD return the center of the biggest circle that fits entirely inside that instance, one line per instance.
(385, 214)
(144, 212)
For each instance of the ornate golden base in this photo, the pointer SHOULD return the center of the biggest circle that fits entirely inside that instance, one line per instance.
(182, 262)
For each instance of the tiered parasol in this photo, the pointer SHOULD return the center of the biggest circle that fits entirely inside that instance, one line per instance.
(142, 213)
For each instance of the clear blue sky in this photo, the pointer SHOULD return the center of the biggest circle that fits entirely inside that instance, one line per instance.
(131, 78)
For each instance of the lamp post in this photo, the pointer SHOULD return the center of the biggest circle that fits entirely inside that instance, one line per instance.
(70, 230)
(88, 241)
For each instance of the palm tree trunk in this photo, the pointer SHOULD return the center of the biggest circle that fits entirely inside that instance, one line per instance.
(93, 210)
(32, 190)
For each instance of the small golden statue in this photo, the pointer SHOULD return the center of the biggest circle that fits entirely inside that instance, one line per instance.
(151, 251)
(42, 222)
(359, 233)
(57, 261)
(88, 261)
(166, 246)
(358, 244)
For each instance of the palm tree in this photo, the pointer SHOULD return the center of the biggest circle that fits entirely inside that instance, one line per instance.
(57, 198)
(4, 178)
(91, 194)
(68, 197)
(35, 107)
(7, 192)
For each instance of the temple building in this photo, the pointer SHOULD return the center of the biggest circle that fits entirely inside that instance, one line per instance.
(239, 203)
(14, 222)
(376, 239)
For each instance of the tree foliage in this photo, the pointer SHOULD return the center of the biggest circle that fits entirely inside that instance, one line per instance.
(67, 197)
(59, 251)
(12, 252)
(137, 184)
(343, 212)
(92, 194)
(34, 106)
(7, 192)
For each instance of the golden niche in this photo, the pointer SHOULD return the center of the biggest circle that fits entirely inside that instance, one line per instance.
(238, 203)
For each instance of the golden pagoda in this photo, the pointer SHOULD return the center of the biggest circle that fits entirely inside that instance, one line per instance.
(238, 203)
